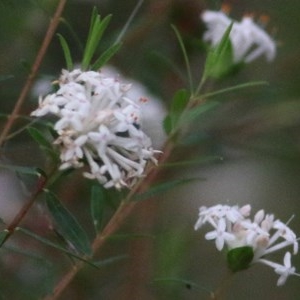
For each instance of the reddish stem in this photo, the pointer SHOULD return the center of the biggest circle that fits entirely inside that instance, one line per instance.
(39, 58)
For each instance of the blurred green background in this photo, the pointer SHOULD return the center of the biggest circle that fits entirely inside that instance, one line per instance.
(255, 131)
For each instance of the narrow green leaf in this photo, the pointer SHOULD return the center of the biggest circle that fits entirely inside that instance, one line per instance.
(185, 56)
(3, 235)
(67, 225)
(28, 254)
(194, 113)
(96, 31)
(97, 207)
(193, 162)
(53, 245)
(46, 145)
(219, 61)
(179, 103)
(234, 88)
(106, 56)
(67, 52)
(23, 170)
(94, 16)
(167, 124)
(163, 187)
(109, 261)
(39, 137)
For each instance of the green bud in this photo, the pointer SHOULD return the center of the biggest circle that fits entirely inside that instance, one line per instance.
(240, 258)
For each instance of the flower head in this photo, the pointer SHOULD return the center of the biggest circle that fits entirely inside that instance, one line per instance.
(249, 41)
(249, 241)
(100, 125)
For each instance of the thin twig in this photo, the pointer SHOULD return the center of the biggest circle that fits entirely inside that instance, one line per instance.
(123, 211)
(39, 58)
(10, 229)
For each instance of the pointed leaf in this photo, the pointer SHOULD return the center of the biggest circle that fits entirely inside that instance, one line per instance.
(219, 61)
(53, 245)
(234, 88)
(39, 137)
(111, 260)
(179, 103)
(185, 56)
(106, 56)
(67, 225)
(97, 29)
(194, 113)
(167, 124)
(194, 162)
(67, 52)
(23, 170)
(97, 207)
(3, 235)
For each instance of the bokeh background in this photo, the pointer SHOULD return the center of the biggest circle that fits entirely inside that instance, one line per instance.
(254, 133)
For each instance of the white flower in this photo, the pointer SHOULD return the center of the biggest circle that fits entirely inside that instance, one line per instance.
(284, 270)
(263, 234)
(249, 41)
(220, 235)
(100, 125)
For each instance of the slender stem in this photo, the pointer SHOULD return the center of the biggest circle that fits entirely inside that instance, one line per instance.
(39, 58)
(22, 213)
(124, 209)
(132, 15)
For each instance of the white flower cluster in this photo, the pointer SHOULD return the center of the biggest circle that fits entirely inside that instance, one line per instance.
(98, 124)
(249, 41)
(265, 234)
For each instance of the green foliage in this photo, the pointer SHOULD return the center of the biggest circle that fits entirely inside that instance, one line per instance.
(110, 260)
(240, 258)
(192, 114)
(97, 206)
(106, 56)
(193, 162)
(186, 58)
(178, 105)
(67, 225)
(24, 170)
(66, 50)
(53, 245)
(97, 28)
(234, 88)
(219, 60)
(3, 235)
(39, 137)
